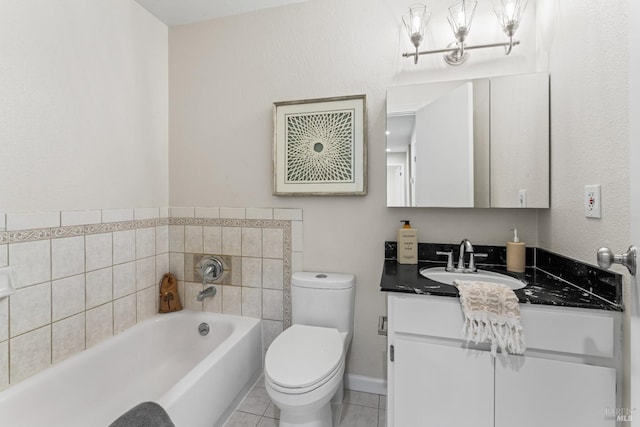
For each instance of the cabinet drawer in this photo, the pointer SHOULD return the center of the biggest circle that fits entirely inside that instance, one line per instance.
(558, 329)
(568, 330)
(439, 317)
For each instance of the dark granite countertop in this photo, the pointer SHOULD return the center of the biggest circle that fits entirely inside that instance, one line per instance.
(595, 290)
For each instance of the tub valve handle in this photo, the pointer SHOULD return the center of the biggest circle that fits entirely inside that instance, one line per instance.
(211, 268)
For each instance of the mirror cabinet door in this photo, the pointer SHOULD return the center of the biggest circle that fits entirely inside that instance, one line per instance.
(443, 150)
(520, 141)
(474, 143)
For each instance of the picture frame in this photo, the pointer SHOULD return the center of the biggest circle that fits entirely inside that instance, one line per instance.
(320, 147)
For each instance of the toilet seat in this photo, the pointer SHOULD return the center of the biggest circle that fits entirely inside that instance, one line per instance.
(305, 390)
(303, 358)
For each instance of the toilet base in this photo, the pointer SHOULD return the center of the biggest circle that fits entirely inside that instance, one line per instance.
(336, 404)
(318, 418)
(336, 413)
(325, 412)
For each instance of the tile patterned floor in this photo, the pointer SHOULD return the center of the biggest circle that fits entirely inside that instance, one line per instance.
(359, 410)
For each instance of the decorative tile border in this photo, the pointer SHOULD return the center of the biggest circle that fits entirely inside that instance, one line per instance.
(21, 236)
(231, 222)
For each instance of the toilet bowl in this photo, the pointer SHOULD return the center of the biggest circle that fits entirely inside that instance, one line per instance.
(303, 371)
(304, 365)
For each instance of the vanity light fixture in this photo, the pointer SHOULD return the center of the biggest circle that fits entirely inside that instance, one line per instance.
(416, 23)
(460, 17)
(509, 13)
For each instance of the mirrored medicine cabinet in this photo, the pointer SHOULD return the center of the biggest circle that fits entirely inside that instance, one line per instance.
(480, 143)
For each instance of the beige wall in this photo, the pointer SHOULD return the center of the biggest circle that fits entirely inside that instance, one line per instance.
(84, 106)
(224, 77)
(589, 126)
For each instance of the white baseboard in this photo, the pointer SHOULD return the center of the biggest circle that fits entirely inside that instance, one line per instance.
(365, 384)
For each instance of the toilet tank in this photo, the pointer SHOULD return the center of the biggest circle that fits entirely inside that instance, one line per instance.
(323, 299)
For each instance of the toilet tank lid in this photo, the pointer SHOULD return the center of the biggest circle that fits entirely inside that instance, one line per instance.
(320, 280)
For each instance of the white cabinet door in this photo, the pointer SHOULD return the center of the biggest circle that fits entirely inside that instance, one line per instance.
(539, 392)
(441, 386)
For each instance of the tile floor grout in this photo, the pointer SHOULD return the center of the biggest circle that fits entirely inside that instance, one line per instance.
(359, 409)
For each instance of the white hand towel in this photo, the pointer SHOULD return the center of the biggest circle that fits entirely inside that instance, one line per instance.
(491, 314)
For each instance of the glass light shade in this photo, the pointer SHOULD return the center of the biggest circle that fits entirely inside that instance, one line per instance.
(416, 22)
(460, 18)
(509, 13)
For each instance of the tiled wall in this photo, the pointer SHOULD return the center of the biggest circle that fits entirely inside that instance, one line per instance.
(82, 277)
(259, 247)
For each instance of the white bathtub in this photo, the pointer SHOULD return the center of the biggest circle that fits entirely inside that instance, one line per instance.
(197, 379)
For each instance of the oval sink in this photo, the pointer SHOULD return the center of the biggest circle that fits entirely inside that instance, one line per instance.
(439, 274)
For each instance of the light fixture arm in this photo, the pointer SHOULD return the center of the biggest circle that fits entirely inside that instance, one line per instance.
(416, 39)
(507, 45)
(415, 24)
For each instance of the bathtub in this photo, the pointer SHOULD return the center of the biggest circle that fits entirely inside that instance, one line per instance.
(197, 379)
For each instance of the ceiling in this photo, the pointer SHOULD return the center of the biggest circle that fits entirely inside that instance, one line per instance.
(178, 12)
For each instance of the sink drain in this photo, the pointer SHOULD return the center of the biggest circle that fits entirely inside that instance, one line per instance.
(203, 329)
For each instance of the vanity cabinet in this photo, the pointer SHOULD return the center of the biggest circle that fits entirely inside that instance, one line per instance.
(543, 392)
(567, 376)
(432, 381)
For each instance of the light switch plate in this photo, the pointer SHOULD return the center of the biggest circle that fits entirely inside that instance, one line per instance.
(592, 201)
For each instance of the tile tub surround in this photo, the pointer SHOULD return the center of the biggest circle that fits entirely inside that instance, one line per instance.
(552, 279)
(257, 257)
(79, 281)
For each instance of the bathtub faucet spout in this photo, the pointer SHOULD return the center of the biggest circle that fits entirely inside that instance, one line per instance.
(207, 293)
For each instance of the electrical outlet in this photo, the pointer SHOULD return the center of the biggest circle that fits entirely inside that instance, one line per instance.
(592, 201)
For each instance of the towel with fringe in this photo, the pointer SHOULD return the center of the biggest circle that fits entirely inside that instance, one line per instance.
(491, 314)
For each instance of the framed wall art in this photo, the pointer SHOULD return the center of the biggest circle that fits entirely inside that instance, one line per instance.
(320, 147)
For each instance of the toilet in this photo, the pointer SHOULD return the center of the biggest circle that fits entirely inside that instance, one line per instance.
(304, 366)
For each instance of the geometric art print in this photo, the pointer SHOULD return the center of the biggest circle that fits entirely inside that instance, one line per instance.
(320, 147)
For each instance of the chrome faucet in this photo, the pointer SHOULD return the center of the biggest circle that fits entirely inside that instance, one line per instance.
(212, 270)
(466, 247)
(206, 293)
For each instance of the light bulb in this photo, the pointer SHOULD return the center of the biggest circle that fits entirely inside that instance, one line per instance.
(416, 23)
(509, 10)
